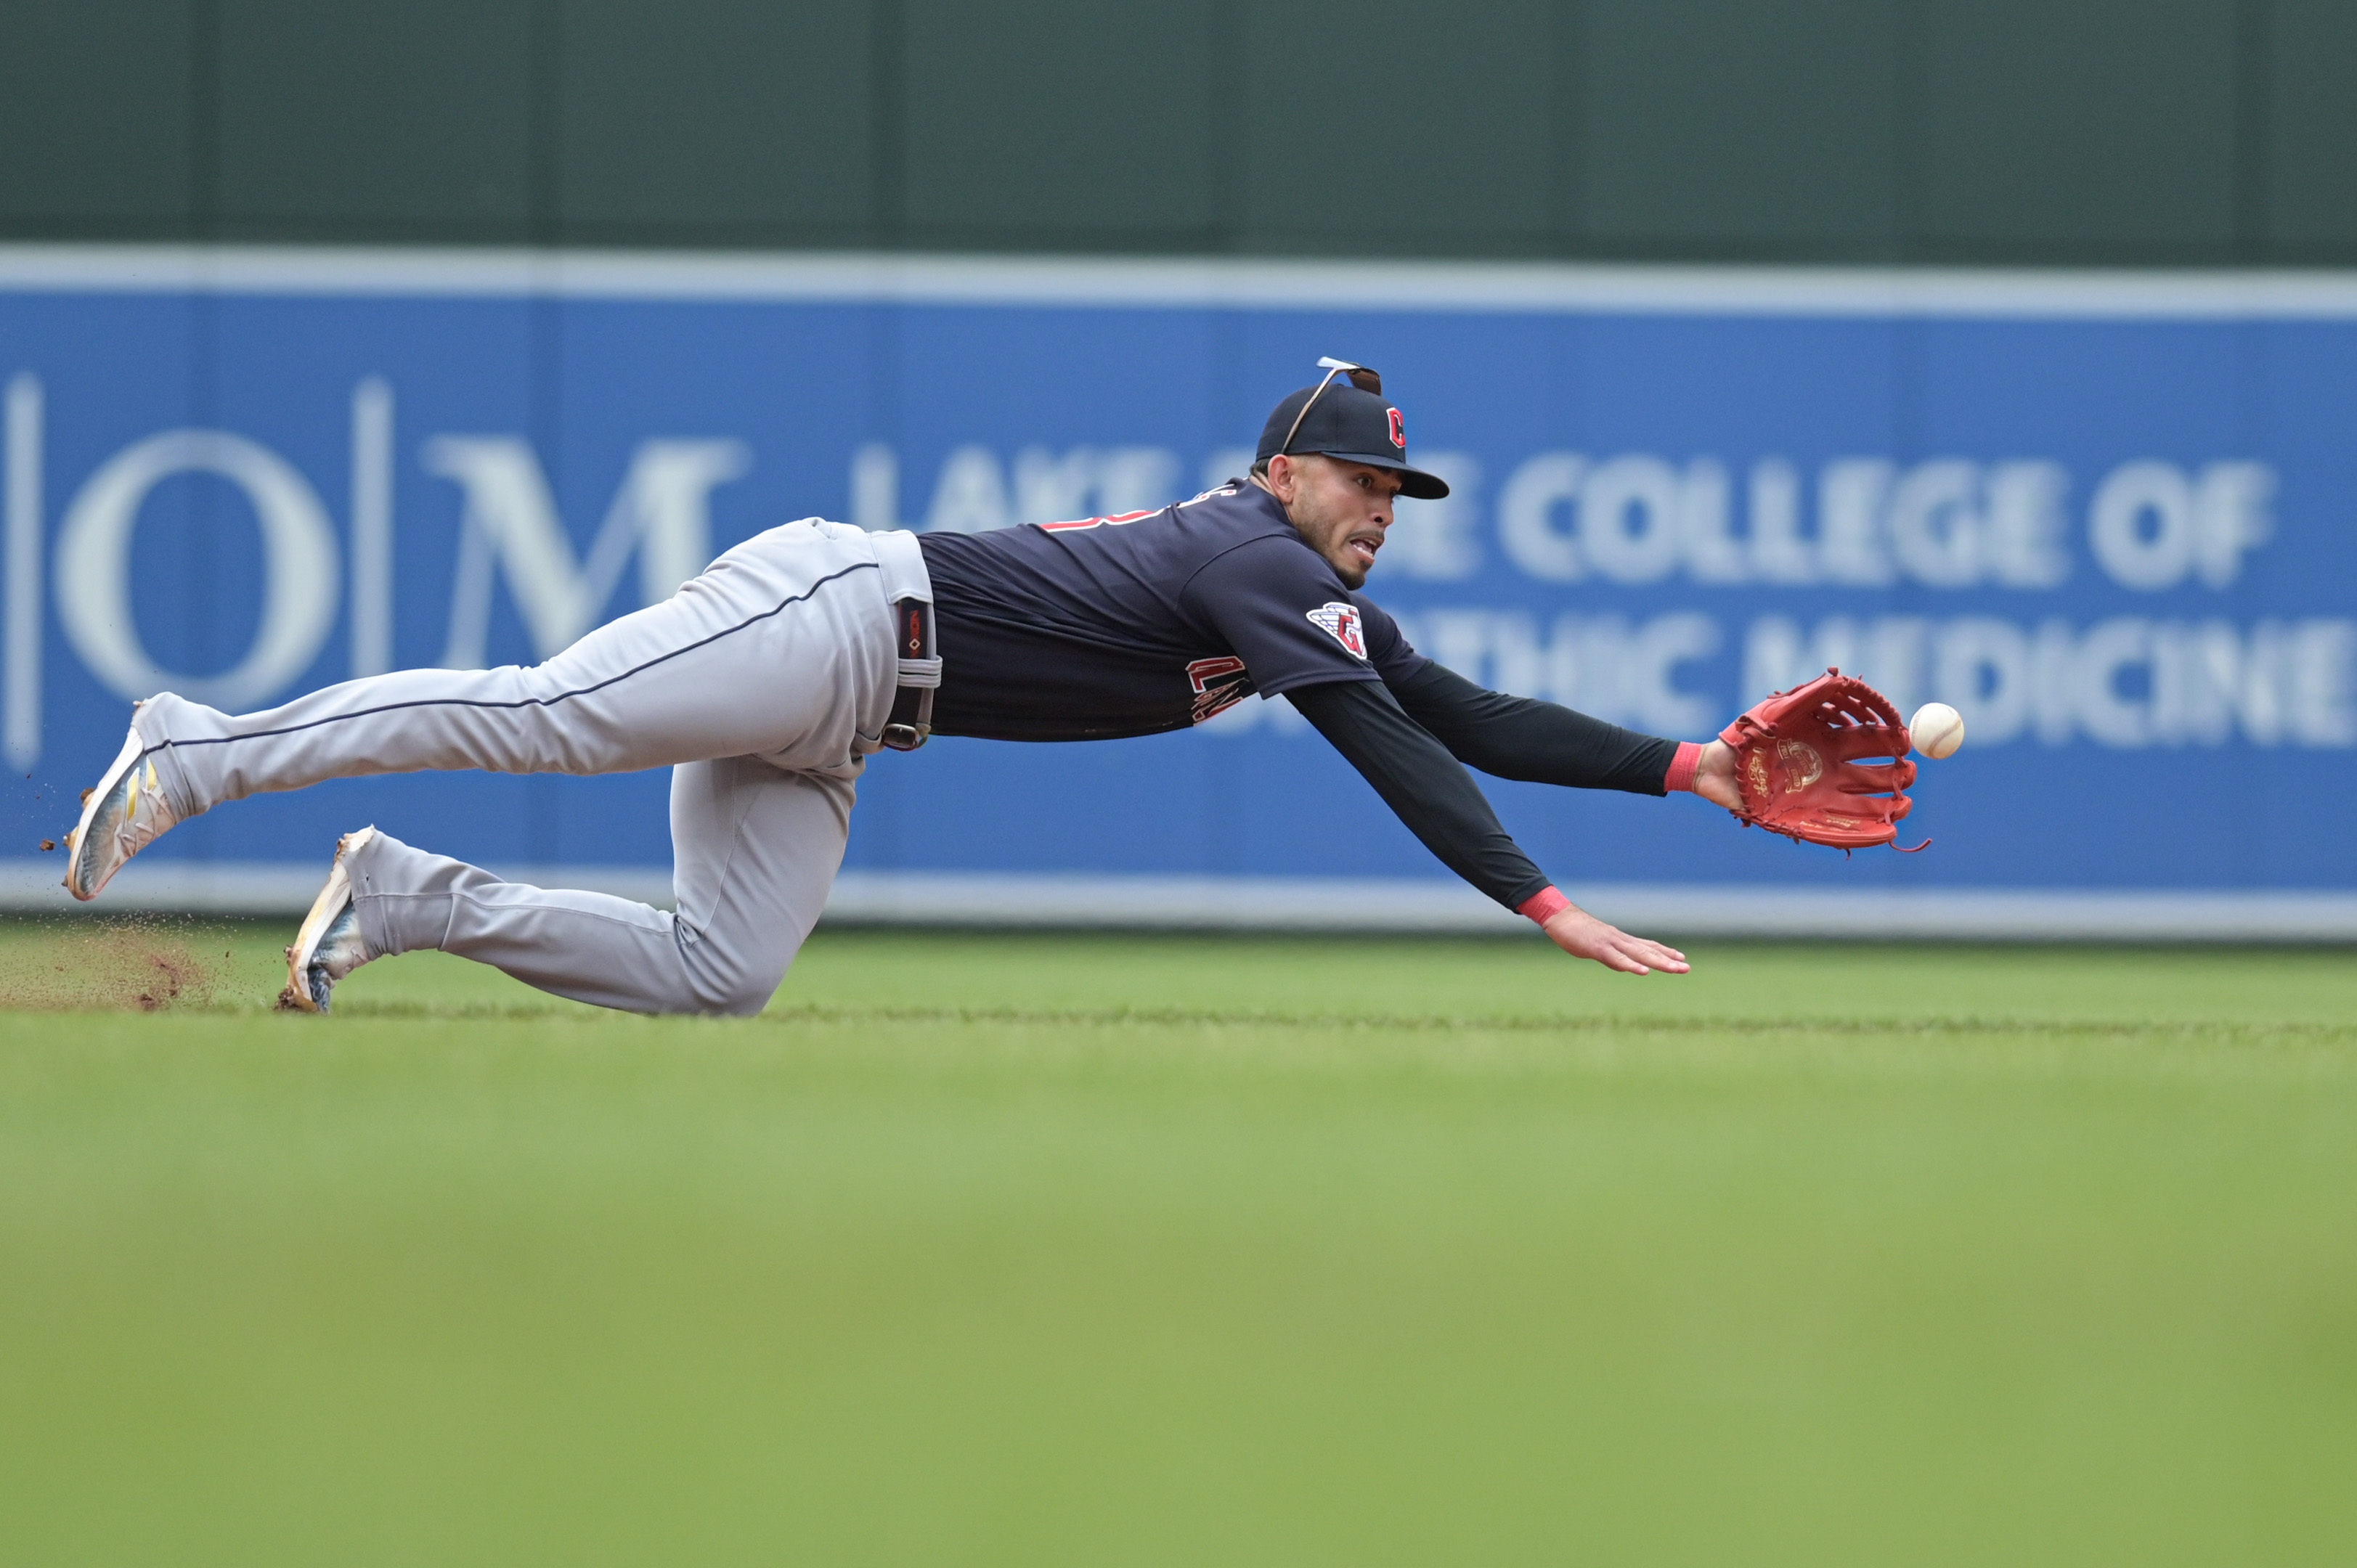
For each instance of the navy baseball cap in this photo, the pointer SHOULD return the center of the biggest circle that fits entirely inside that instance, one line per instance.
(1350, 422)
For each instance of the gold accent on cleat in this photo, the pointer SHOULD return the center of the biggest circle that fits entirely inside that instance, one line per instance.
(115, 822)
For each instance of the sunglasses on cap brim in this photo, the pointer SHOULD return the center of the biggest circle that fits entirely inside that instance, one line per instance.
(1361, 377)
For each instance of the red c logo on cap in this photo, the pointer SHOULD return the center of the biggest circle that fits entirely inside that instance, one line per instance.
(1399, 429)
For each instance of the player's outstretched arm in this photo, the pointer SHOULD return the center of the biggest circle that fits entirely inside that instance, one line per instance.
(1582, 935)
(1544, 743)
(1431, 792)
(1538, 742)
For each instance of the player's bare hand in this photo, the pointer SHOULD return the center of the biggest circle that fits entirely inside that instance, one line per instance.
(1715, 777)
(1582, 935)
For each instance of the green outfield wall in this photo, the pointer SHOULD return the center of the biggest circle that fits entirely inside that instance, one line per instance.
(2161, 132)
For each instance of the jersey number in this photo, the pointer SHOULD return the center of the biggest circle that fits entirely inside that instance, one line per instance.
(1220, 685)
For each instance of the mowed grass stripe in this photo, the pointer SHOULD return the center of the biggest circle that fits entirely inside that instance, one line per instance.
(1512, 981)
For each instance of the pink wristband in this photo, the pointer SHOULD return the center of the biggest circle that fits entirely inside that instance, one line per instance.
(1683, 766)
(1543, 905)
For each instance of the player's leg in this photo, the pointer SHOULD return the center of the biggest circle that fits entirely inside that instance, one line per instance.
(784, 649)
(754, 849)
(746, 660)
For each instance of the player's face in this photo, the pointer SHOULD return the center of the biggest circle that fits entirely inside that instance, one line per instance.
(1341, 509)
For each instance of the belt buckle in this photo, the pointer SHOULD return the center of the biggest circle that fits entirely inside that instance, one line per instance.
(907, 738)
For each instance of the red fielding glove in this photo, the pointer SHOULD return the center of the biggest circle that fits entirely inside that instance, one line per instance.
(1797, 763)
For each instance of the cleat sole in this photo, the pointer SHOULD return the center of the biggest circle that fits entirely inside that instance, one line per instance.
(92, 800)
(334, 897)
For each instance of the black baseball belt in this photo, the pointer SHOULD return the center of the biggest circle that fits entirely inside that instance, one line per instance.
(911, 722)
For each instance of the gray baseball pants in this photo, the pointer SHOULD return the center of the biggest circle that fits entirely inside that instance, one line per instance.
(764, 686)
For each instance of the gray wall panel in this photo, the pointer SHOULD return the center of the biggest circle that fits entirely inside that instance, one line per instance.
(1083, 122)
(718, 122)
(2101, 130)
(378, 120)
(95, 116)
(1742, 126)
(2311, 162)
(1387, 127)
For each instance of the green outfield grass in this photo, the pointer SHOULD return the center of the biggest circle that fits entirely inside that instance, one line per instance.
(1112, 1249)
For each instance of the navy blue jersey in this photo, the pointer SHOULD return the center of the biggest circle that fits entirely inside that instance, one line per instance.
(1152, 621)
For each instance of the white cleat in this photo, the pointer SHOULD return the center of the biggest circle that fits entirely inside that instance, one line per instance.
(329, 947)
(123, 815)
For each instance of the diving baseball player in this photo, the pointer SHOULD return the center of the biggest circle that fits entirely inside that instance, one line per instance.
(766, 683)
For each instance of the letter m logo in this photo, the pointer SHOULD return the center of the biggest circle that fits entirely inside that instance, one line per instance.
(662, 511)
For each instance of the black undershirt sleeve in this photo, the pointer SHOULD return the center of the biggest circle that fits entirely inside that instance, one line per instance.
(1542, 743)
(1423, 784)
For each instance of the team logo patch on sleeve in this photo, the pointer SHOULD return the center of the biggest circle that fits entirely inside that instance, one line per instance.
(1342, 623)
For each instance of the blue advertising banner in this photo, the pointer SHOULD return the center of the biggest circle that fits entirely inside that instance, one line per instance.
(2109, 521)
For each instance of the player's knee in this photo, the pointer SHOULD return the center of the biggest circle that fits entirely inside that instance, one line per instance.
(745, 1001)
(731, 984)
(737, 994)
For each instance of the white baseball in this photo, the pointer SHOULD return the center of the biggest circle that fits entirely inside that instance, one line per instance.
(1937, 730)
